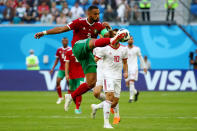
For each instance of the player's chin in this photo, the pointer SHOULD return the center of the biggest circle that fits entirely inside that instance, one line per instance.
(96, 20)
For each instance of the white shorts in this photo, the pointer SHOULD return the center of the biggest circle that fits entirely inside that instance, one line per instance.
(100, 78)
(112, 85)
(132, 75)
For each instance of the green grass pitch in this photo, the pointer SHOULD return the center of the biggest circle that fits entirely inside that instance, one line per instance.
(155, 111)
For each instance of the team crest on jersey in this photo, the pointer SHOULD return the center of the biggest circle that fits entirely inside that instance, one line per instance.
(84, 28)
(95, 31)
(60, 52)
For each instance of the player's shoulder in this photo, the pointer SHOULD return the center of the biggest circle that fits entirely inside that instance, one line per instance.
(81, 19)
(123, 47)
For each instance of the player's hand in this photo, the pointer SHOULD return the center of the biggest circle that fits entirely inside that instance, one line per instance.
(125, 75)
(145, 70)
(38, 35)
(67, 78)
(106, 25)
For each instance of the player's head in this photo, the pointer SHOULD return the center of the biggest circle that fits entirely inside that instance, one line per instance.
(93, 13)
(130, 41)
(115, 31)
(64, 42)
(31, 51)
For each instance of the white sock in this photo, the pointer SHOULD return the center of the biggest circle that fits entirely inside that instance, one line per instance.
(100, 105)
(133, 91)
(102, 97)
(116, 111)
(106, 111)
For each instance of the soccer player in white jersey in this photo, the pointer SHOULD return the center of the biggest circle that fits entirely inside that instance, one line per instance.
(133, 53)
(114, 59)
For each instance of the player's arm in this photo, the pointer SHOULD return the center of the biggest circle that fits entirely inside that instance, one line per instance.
(125, 68)
(142, 61)
(107, 32)
(55, 30)
(67, 70)
(96, 58)
(55, 64)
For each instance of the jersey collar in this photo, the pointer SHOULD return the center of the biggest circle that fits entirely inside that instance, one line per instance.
(64, 48)
(89, 23)
(113, 47)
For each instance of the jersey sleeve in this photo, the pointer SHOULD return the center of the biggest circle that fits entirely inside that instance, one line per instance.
(101, 52)
(74, 25)
(57, 54)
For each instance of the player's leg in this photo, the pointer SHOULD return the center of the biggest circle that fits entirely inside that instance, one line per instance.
(78, 99)
(115, 105)
(98, 93)
(105, 41)
(84, 55)
(60, 76)
(106, 108)
(132, 90)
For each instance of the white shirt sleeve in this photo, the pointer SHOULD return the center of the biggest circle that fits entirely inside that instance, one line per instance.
(141, 58)
(101, 52)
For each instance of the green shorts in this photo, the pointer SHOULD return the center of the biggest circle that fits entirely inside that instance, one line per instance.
(61, 74)
(74, 83)
(83, 53)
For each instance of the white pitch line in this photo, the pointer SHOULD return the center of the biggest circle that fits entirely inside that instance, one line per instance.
(85, 117)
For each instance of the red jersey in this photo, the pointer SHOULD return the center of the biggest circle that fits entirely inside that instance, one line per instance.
(82, 29)
(75, 69)
(61, 55)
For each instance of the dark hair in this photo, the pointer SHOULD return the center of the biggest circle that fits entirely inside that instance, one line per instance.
(92, 7)
(116, 29)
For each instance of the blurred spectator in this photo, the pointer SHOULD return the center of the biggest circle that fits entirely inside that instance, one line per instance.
(147, 63)
(110, 11)
(193, 61)
(2, 8)
(76, 11)
(54, 10)
(193, 8)
(32, 61)
(9, 12)
(30, 2)
(61, 19)
(46, 18)
(65, 9)
(43, 8)
(121, 11)
(145, 7)
(30, 15)
(171, 5)
(20, 11)
(85, 4)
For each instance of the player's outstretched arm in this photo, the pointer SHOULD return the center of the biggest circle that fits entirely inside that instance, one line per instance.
(56, 62)
(55, 30)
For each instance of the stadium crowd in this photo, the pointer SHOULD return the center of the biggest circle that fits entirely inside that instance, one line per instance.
(64, 11)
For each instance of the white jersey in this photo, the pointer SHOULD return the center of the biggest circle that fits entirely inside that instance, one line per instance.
(133, 53)
(100, 62)
(113, 61)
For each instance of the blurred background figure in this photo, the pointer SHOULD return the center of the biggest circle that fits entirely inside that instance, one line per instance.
(147, 63)
(32, 61)
(76, 11)
(193, 59)
(171, 5)
(46, 18)
(145, 7)
(61, 19)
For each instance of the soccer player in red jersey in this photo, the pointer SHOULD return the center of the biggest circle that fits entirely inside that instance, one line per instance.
(60, 54)
(75, 77)
(85, 32)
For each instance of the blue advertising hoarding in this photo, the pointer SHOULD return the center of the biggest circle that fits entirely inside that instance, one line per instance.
(154, 80)
(167, 47)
